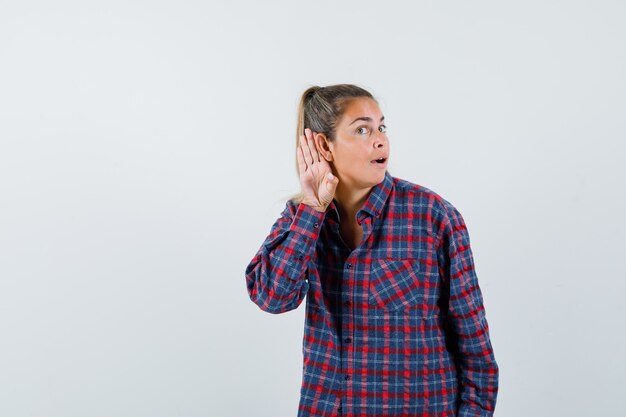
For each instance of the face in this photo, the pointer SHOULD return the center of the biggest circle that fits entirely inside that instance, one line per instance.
(360, 138)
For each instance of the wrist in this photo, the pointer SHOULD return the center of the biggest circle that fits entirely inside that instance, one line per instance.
(316, 207)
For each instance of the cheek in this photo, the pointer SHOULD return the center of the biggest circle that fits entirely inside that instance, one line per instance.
(351, 158)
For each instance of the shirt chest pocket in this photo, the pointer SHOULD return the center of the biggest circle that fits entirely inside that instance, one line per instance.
(396, 284)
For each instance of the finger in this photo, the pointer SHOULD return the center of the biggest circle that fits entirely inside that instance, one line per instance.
(320, 157)
(332, 184)
(316, 152)
(301, 163)
(315, 155)
(308, 156)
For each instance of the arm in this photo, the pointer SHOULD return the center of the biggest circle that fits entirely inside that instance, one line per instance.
(478, 370)
(276, 276)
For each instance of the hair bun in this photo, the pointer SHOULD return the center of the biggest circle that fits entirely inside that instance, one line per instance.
(312, 91)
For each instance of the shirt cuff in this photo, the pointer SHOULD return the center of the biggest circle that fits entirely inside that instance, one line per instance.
(307, 222)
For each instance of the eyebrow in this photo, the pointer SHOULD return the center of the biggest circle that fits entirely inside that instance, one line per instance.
(366, 119)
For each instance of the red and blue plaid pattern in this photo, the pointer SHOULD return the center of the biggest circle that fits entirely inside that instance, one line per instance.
(395, 327)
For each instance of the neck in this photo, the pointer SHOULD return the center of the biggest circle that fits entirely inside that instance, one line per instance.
(349, 201)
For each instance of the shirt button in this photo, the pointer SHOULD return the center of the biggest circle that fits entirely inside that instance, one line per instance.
(349, 266)
(347, 377)
(347, 340)
(316, 224)
(346, 303)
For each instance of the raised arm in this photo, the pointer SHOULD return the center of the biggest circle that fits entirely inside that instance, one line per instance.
(276, 278)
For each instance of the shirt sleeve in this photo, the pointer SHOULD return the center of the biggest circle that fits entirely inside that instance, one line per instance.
(276, 277)
(466, 320)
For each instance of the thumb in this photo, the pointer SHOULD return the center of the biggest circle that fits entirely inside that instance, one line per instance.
(331, 181)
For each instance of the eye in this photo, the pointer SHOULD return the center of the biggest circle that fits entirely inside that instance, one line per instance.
(362, 130)
(382, 128)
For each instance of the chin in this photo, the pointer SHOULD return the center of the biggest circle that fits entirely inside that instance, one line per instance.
(381, 174)
(376, 179)
(364, 181)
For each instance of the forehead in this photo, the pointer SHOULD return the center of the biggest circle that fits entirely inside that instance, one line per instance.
(361, 107)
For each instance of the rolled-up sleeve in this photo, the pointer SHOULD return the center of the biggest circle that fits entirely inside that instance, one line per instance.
(276, 277)
(466, 319)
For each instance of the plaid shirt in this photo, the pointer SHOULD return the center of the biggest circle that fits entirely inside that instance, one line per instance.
(395, 327)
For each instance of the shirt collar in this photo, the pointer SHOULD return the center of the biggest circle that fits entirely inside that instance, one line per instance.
(375, 200)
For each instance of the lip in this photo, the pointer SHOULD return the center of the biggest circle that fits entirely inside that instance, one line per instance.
(379, 165)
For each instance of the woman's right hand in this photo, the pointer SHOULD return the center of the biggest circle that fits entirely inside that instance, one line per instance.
(316, 179)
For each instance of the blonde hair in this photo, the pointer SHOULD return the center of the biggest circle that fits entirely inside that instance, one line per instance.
(320, 110)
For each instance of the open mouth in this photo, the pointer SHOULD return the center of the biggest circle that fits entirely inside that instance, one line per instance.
(379, 161)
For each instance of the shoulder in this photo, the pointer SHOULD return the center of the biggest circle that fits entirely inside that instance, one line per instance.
(413, 189)
(420, 194)
(422, 199)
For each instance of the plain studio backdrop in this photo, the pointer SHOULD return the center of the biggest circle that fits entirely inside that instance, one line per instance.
(148, 147)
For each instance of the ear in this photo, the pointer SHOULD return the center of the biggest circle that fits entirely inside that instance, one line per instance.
(324, 146)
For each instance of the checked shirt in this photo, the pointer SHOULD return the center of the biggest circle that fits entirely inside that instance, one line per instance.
(393, 327)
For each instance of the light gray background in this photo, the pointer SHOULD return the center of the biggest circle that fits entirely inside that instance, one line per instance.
(147, 148)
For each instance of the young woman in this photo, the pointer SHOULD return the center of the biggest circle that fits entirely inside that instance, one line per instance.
(395, 323)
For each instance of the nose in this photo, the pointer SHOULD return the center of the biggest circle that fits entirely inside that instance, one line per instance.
(380, 140)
